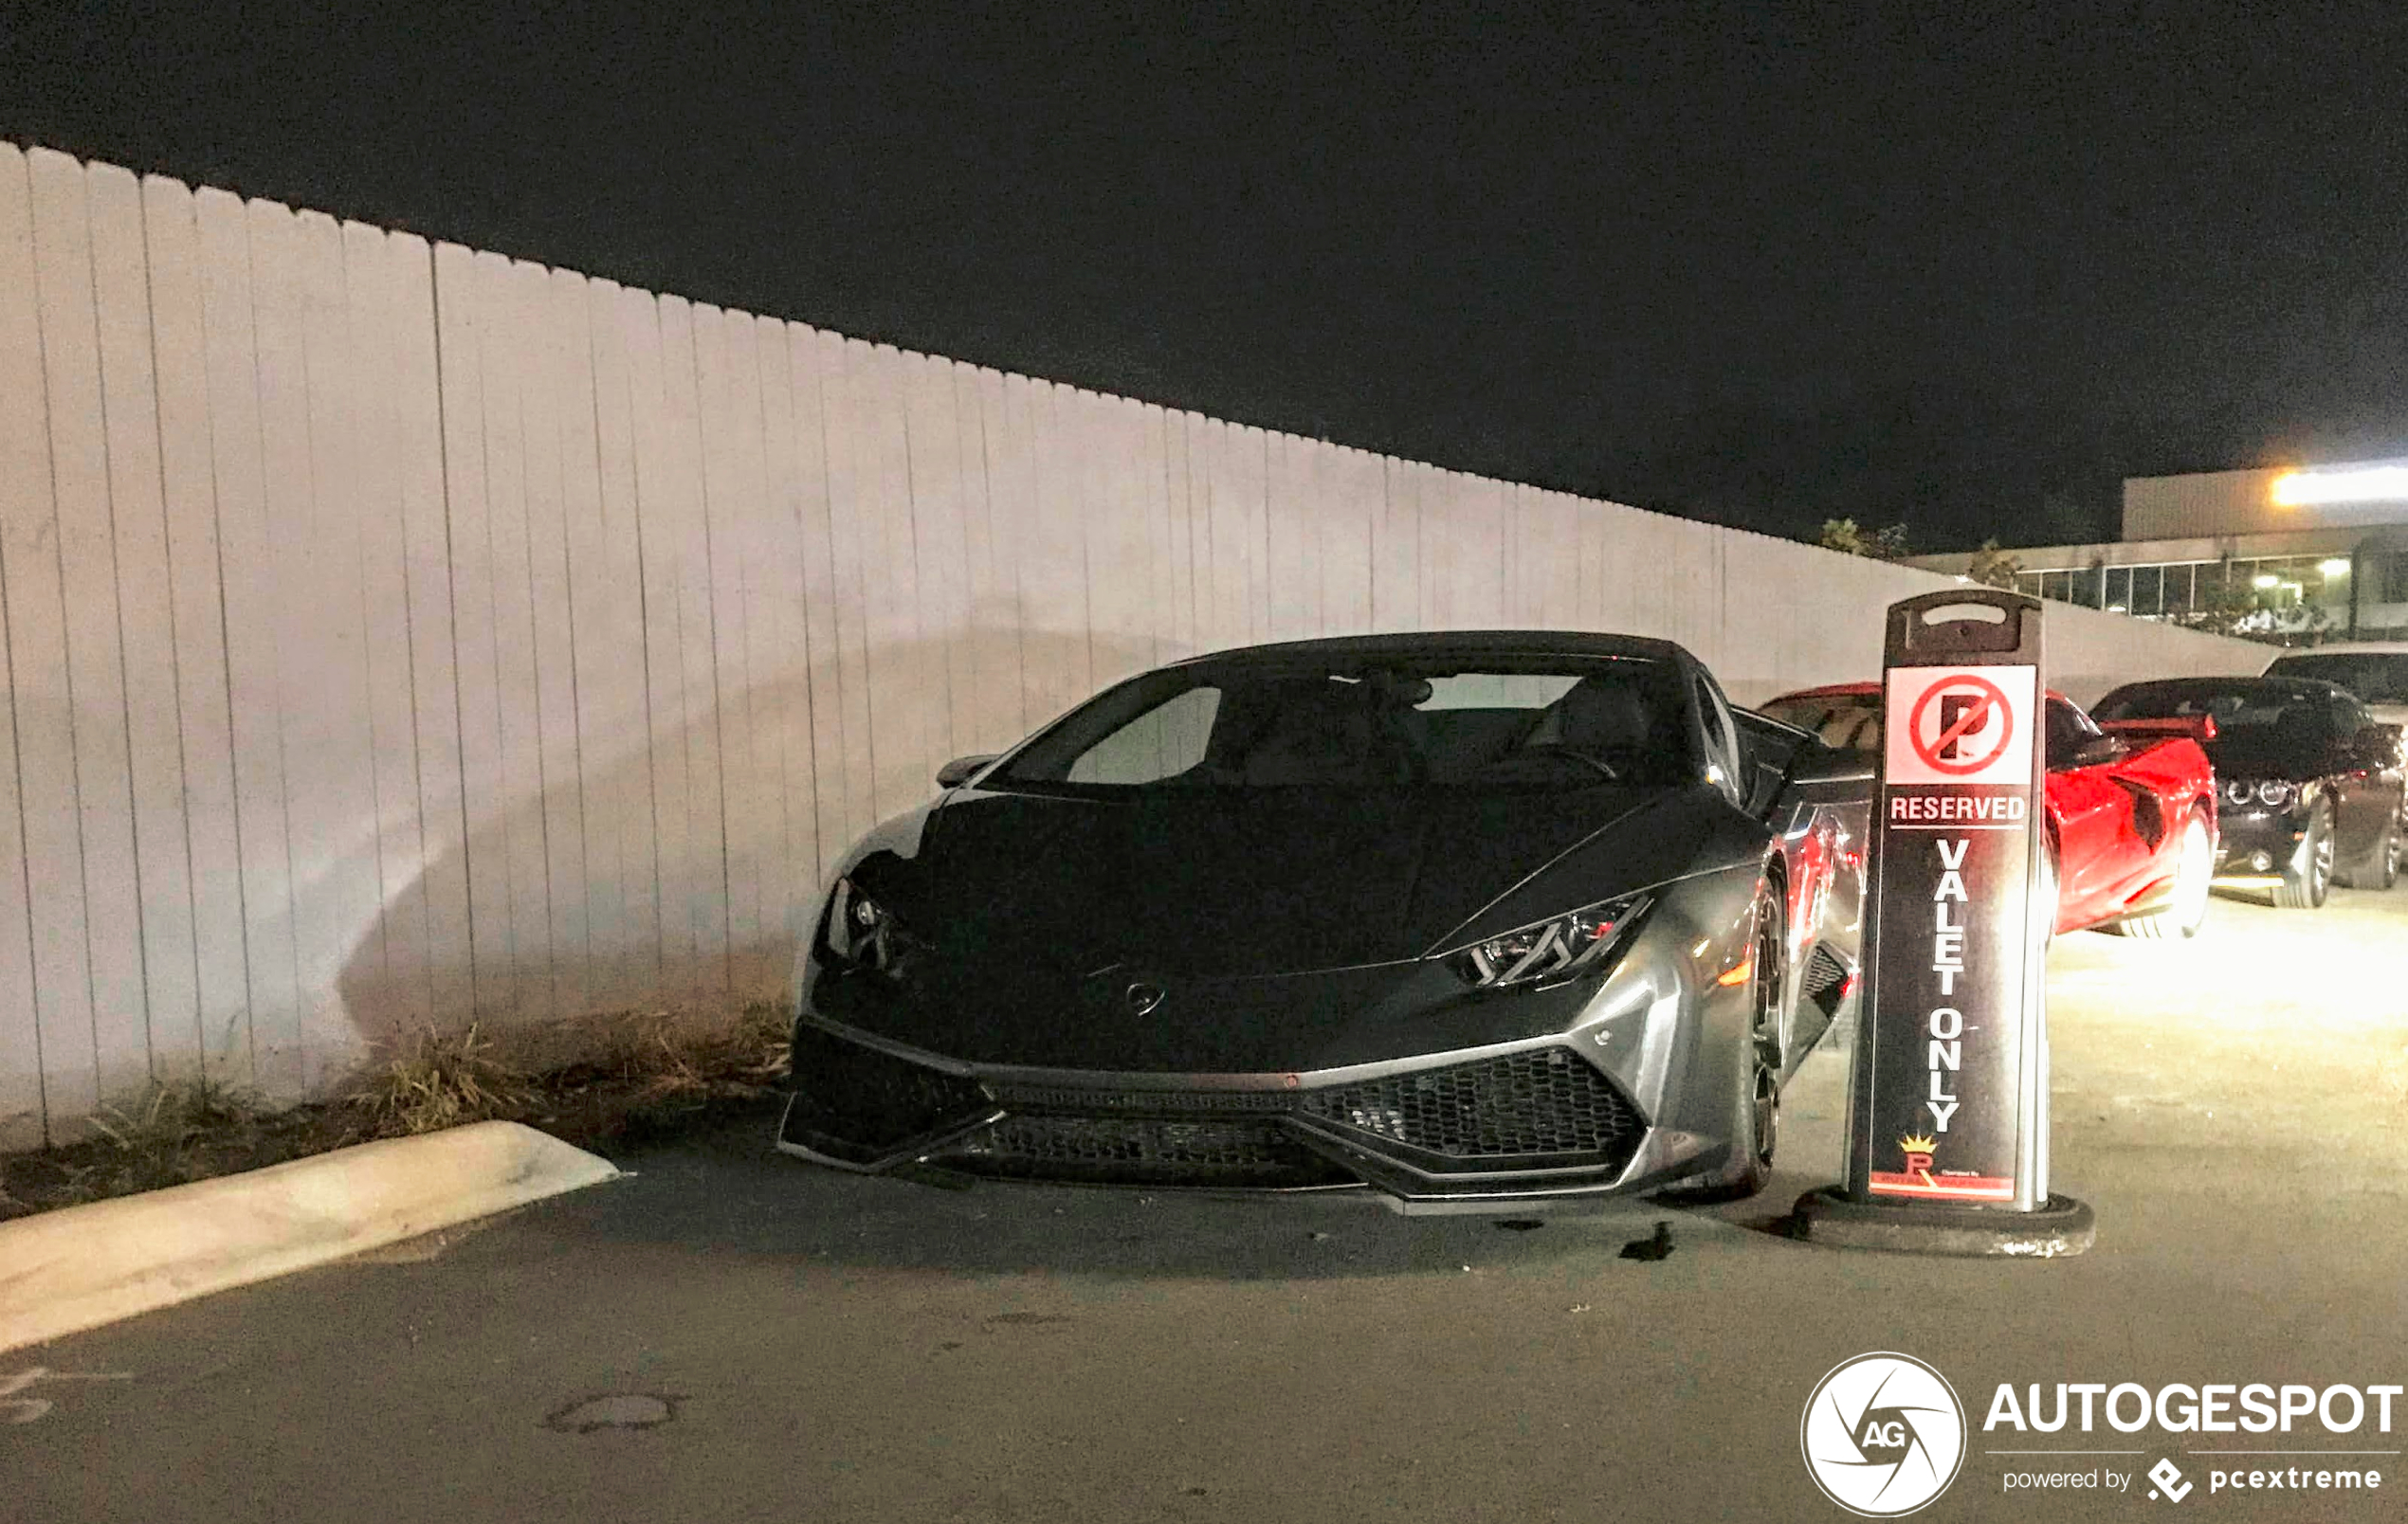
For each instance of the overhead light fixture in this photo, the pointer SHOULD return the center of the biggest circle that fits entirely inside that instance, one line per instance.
(2336, 566)
(2361, 484)
(2116, 609)
(2265, 579)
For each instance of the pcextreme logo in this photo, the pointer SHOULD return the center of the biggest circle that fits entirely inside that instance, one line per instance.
(1883, 1434)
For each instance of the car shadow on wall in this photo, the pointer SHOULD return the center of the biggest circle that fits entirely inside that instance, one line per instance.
(674, 926)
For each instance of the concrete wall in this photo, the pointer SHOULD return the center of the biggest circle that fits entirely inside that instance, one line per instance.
(398, 633)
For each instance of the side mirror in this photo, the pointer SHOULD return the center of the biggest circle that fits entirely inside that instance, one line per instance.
(962, 769)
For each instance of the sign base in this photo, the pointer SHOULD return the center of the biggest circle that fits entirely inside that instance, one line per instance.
(2059, 1227)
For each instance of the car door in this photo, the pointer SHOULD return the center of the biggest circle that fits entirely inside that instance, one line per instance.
(2093, 814)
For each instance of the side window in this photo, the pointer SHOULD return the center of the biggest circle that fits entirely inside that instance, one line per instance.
(1166, 740)
(2066, 730)
(1721, 743)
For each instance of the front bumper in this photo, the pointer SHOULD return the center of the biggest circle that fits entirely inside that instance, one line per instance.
(1529, 1122)
(2256, 845)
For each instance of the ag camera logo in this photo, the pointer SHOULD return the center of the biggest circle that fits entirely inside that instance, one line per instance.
(1883, 1435)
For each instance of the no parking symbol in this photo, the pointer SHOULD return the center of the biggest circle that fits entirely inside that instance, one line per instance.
(1960, 725)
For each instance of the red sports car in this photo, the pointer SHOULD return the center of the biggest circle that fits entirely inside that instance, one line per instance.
(2132, 807)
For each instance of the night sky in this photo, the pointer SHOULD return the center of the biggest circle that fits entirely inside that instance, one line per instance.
(1960, 266)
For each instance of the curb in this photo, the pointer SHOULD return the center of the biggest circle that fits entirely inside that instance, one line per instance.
(2059, 1227)
(76, 1268)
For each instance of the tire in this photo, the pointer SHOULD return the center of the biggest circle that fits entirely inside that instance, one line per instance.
(2382, 868)
(2186, 907)
(1756, 1121)
(2308, 878)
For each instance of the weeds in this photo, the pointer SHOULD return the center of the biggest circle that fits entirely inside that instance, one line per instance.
(441, 1080)
(652, 1077)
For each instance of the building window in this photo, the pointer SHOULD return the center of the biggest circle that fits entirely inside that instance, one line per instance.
(2149, 590)
(2394, 578)
(2119, 589)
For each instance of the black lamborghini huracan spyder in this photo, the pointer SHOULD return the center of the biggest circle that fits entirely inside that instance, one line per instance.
(1457, 919)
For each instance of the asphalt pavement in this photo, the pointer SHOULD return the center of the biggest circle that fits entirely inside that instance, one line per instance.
(732, 1336)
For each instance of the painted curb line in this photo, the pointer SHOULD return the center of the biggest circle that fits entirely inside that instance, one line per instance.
(65, 1271)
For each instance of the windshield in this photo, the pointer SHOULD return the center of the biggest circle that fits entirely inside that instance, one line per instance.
(2375, 676)
(1844, 722)
(1548, 724)
(2268, 709)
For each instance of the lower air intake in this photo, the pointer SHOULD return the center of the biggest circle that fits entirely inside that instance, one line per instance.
(858, 1104)
(1825, 981)
(1241, 1152)
(1541, 1105)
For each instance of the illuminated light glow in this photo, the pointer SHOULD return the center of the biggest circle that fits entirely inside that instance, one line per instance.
(2117, 608)
(2265, 579)
(2368, 484)
(2337, 567)
(1739, 976)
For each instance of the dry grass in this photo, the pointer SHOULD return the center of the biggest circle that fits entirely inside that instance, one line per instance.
(652, 1077)
(441, 1080)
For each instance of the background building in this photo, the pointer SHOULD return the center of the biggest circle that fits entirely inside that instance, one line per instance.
(2291, 554)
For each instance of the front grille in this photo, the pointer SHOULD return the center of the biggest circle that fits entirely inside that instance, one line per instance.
(1539, 1105)
(1147, 1102)
(1249, 1151)
(859, 1104)
(1825, 981)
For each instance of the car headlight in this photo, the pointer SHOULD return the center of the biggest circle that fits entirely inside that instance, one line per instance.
(2274, 793)
(1548, 950)
(863, 932)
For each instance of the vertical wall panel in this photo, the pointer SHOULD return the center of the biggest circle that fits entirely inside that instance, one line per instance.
(782, 700)
(402, 998)
(506, 793)
(249, 610)
(687, 541)
(550, 625)
(994, 612)
(94, 671)
(940, 540)
(583, 630)
(440, 886)
(45, 973)
(732, 473)
(464, 334)
(660, 547)
(1052, 547)
(338, 838)
(203, 714)
(145, 616)
(613, 687)
(807, 360)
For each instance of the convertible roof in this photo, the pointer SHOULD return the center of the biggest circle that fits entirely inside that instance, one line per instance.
(2294, 687)
(1454, 643)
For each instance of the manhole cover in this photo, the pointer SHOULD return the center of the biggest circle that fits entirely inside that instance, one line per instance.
(629, 1409)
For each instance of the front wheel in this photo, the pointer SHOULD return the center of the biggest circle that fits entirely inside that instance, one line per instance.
(1756, 1123)
(2187, 902)
(2309, 876)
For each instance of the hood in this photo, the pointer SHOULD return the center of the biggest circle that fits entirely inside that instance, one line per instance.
(1213, 883)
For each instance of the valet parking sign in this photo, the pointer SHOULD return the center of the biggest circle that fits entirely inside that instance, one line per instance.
(1949, 1114)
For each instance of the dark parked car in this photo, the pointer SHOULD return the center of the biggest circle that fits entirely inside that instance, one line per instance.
(2311, 782)
(1453, 919)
